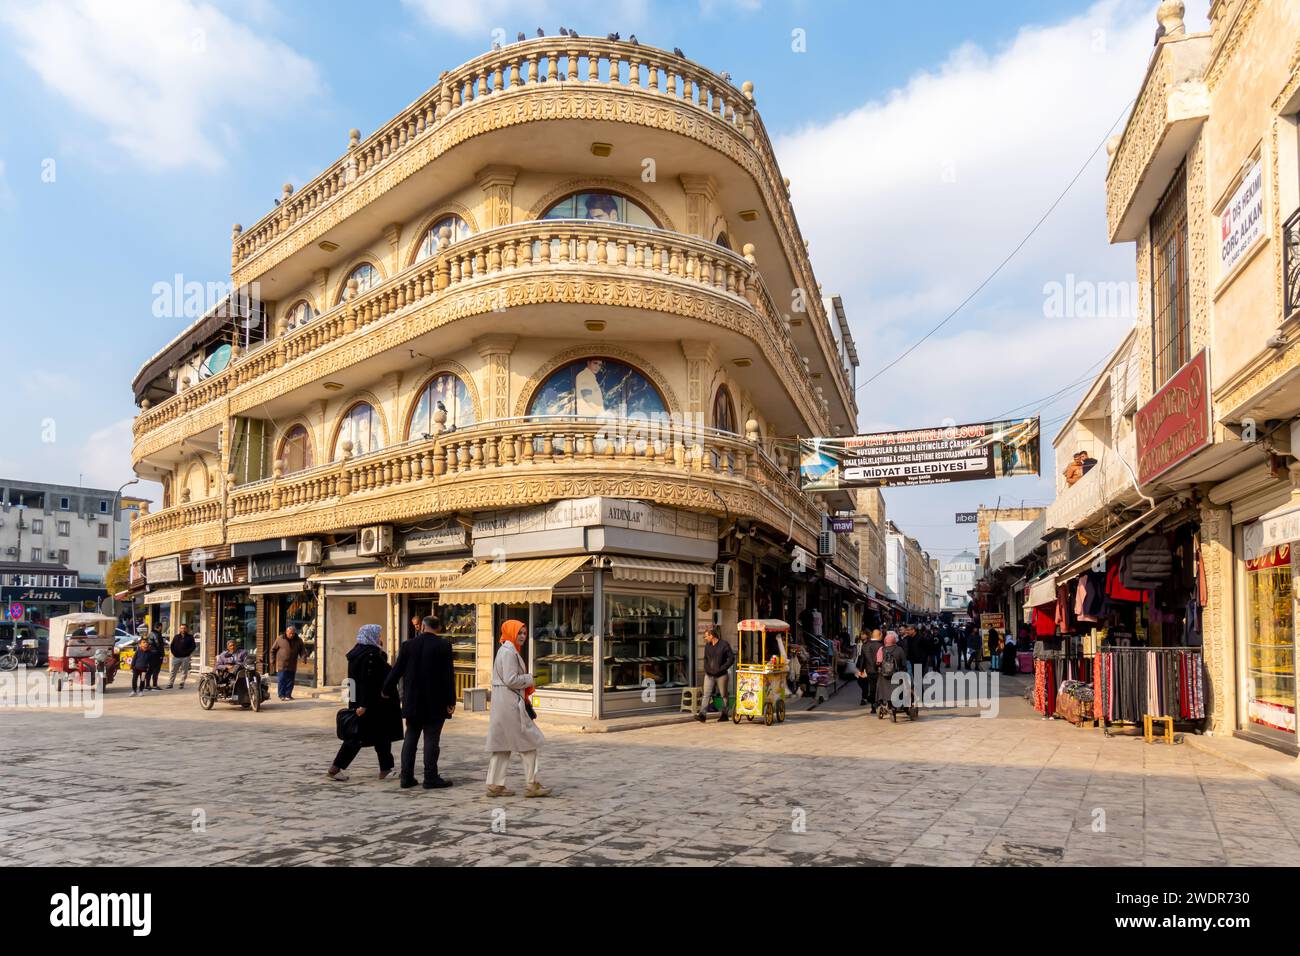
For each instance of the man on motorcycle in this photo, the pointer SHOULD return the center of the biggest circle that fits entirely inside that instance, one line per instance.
(229, 660)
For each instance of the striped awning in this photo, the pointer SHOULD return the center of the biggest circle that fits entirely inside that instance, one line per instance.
(430, 576)
(511, 582)
(660, 572)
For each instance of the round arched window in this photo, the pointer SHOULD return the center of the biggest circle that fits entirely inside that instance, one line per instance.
(598, 387)
(300, 314)
(457, 229)
(367, 277)
(600, 207)
(448, 392)
(724, 413)
(361, 427)
(295, 450)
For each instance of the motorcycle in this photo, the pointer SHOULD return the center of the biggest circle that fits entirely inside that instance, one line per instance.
(20, 651)
(243, 686)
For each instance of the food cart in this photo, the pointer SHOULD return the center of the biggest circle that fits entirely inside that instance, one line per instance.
(761, 667)
(81, 649)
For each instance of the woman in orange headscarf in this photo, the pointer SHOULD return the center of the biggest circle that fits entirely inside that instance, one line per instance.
(510, 729)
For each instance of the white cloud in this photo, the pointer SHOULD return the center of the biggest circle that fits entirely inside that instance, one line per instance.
(161, 78)
(481, 17)
(936, 183)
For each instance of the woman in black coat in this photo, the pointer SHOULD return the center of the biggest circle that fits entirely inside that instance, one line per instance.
(379, 719)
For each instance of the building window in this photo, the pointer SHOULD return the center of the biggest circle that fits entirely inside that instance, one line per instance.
(38, 526)
(64, 529)
(1170, 321)
(446, 392)
(361, 427)
(36, 555)
(724, 413)
(300, 314)
(103, 557)
(103, 531)
(598, 387)
(103, 507)
(63, 558)
(600, 207)
(456, 230)
(295, 450)
(64, 504)
(367, 277)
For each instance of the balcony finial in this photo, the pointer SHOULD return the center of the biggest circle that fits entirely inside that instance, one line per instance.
(1112, 144)
(748, 252)
(286, 191)
(347, 449)
(1170, 16)
(747, 90)
(354, 138)
(352, 289)
(235, 230)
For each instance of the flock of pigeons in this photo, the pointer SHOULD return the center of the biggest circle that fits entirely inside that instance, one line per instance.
(566, 32)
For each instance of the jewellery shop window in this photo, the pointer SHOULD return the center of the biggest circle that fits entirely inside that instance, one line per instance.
(298, 610)
(1270, 642)
(646, 642)
(563, 639)
(458, 623)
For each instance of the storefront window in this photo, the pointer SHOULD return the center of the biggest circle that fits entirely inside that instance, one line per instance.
(458, 626)
(298, 610)
(647, 641)
(563, 641)
(1270, 641)
(236, 620)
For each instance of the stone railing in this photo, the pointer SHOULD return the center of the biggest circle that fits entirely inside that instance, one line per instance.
(540, 63)
(513, 253)
(1107, 484)
(180, 517)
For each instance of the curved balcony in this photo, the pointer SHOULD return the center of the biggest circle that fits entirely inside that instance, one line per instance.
(516, 462)
(523, 265)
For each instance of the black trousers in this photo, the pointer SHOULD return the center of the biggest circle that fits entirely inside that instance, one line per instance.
(432, 732)
(868, 687)
(348, 752)
(154, 670)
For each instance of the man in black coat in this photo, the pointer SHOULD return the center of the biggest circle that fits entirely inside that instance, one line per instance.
(424, 666)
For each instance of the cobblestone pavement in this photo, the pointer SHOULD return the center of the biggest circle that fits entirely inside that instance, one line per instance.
(834, 786)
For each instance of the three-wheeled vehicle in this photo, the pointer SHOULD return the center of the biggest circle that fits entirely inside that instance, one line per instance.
(81, 650)
(761, 667)
(243, 686)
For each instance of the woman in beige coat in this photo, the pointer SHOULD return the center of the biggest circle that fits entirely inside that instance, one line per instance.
(510, 729)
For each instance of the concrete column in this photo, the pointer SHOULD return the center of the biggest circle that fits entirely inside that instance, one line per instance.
(1219, 618)
(498, 185)
(701, 194)
(495, 350)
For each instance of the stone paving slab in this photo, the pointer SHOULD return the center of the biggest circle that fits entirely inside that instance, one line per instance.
(831, 787)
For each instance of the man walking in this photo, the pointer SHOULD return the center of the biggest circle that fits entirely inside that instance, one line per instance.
(286, 652)
(424, 667)
(962, 639)
(868, 668)
(155, 666)
(718, 658)
(183, 647)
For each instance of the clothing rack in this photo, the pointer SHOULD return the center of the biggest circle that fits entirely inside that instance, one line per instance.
(1051, 669)
(1134, 682)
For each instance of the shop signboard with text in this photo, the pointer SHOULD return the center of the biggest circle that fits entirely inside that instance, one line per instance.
(923, 456)
(1175, 424)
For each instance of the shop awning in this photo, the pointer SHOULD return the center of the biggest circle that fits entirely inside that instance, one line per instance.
(430, 576)
(1120, 540)
(359, 576)
(842, 580)
(511, 582)
(1281, 525)
(284, 587)
(1041, 591)
(660, 572)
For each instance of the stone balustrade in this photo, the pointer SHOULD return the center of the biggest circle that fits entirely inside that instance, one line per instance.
(188, 515)
(511, 253)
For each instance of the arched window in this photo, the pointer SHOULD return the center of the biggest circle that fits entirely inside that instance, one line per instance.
(723, 241)
(367, 277)
(295, 450)
(361, 427)
(457, 229)
(597, 387)
(724, 412)
(300, 314)
(602, 207)
(452, 394)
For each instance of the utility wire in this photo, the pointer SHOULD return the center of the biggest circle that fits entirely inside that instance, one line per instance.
(1011, 255)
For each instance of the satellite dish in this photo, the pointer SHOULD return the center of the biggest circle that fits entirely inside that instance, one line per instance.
(217, 360)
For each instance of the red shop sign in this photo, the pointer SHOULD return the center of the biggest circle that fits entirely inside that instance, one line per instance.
(1175, 424)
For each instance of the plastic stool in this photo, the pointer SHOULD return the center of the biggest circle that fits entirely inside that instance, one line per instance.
(1148, 730)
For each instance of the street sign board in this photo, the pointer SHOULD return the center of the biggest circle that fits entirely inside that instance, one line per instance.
(968, 517)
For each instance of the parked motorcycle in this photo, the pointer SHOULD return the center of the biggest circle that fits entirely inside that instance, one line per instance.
(244, 686)
(21, 650)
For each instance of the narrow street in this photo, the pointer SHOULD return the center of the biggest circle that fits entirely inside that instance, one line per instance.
(950, 789)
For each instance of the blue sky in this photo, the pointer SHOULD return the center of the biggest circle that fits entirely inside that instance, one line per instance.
(140, 131)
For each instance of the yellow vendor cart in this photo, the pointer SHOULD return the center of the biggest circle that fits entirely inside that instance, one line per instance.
(761, 667)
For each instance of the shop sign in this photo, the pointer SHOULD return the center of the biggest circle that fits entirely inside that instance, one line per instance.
(1241, 224)
(922, 456)
(992, 620)
(56, 595)
(1067, 546)
(842, 525)
(595, 512)
(1279, 557)
(968, 517)
(274, 567)
(163, 570)
(452, 538)
(219, 575)
(1281, 528)
(1175, 424)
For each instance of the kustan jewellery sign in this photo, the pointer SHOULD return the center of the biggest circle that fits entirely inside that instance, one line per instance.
(923, 456)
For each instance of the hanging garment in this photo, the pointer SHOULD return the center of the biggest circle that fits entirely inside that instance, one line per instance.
(1150, 563)
(1044, 621)
(1081, 611)
(1115, 589)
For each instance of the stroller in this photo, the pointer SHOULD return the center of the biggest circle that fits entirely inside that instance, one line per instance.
(885, 700)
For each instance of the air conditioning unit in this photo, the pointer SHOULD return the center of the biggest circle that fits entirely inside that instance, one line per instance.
(11, 552)
(309, 552)
(722, 578)
(826, 544)
(51, 555)
(375, 540)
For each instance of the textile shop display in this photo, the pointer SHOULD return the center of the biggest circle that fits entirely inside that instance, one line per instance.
(1051, 669)
(1134, 682)
(1074, 702)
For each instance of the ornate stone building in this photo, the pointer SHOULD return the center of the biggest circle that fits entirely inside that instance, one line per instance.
(537, 347)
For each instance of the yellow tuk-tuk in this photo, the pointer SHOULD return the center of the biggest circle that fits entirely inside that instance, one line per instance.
(761, 666)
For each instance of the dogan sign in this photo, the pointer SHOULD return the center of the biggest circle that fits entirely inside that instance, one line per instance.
(923, 456)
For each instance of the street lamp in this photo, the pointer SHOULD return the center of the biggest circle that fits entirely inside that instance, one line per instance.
(117, 507)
